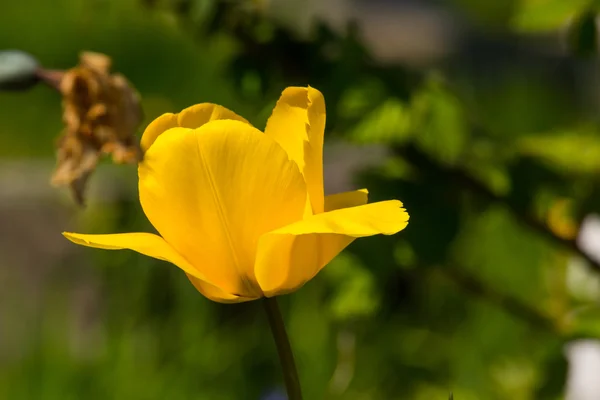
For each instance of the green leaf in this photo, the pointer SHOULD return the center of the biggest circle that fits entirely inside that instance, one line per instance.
(585, 322)
(546, 15)
(504, 254)
(360, 98)
(571, 151)
(355, 292)
(439, 122)
(389, 123)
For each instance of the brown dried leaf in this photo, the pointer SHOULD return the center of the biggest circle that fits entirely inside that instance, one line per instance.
(101, 112)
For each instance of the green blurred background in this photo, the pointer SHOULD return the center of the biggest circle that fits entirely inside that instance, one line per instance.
(482, 117)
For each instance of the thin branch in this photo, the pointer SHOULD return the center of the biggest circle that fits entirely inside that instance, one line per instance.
(454, 174)
(508, 303)
(50, 77)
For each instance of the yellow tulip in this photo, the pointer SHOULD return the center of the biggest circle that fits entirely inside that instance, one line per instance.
(243, 212)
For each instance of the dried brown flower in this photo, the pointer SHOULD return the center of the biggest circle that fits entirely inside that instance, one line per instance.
(101, 112)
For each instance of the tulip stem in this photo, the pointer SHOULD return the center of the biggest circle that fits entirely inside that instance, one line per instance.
(286, 357)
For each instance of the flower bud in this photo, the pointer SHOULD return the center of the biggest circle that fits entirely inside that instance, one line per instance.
(18, 70)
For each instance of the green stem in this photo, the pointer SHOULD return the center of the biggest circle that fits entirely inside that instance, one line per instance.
(286, 357)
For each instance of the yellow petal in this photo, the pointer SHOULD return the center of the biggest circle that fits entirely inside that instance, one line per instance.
(298, 125)
(213, 191)
(199, 114)
(191, 117)
(290, 256)
(157, 127)
(156, 247)
(384, 217)
(221, 296)
(346, 199)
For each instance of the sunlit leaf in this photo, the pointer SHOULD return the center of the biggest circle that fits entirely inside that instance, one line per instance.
(389, 124)
(585, 322)
(505, 254)
(361, 98)
(438, 121)
(569, 151)
(546, 15)
(355, 294)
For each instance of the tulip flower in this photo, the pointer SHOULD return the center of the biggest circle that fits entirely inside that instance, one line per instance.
(242, 212)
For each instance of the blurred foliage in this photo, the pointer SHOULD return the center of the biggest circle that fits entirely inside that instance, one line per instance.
(540, 15)
(494, 151)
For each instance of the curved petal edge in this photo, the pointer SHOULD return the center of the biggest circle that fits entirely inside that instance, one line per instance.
(289, 257)
(153, 246)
